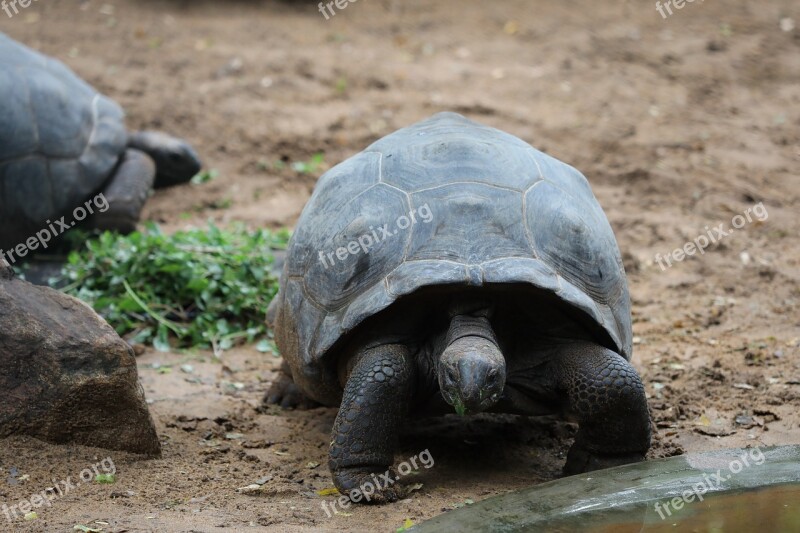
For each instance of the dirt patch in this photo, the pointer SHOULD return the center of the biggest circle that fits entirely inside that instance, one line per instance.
(678, 123)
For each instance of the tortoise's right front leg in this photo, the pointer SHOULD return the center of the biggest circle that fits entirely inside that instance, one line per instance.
(375, 401)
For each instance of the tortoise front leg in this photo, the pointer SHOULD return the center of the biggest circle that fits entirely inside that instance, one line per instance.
(375, 401)
(126, 193)
(606, 394)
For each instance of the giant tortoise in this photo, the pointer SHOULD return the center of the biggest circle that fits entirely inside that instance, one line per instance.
(62, 142)
(510, 297)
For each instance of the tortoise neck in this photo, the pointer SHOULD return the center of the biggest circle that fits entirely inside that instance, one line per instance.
(469, 317)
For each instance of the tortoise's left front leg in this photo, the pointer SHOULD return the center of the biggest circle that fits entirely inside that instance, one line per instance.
(374, 404)
(605, 393)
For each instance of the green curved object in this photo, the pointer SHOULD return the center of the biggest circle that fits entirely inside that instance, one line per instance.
(736, 490)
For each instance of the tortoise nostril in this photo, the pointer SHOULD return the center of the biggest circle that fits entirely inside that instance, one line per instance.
(451, 376)
(448, 378)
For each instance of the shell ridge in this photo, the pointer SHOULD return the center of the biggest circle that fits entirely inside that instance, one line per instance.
(492, 185)
(30, 108)
(95, 122)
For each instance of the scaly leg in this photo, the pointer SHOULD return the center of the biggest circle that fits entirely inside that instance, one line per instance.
(606, 394)
(374, 404)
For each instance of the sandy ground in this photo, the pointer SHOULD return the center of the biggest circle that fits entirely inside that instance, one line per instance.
(679, 123)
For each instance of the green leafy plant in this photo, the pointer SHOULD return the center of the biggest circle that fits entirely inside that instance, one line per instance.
(205, 176)
(311, 166)
(197, 288)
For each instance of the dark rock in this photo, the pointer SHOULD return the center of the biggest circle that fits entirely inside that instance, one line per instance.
(65, 374)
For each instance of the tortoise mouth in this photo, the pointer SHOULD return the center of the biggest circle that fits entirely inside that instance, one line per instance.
(469, 406)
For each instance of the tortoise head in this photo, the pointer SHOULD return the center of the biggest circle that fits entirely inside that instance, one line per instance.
(472, 374)
(175, 159)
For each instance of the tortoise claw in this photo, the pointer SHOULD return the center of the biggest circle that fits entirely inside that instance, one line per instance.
(285, 393)
(364, 486)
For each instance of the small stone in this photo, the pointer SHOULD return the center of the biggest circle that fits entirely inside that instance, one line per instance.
(249, 489)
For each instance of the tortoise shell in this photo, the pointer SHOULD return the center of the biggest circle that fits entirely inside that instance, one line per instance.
(59, 140)
(501, 212)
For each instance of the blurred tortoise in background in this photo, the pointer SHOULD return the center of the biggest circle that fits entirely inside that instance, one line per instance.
(61, 143)
(509, 296)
